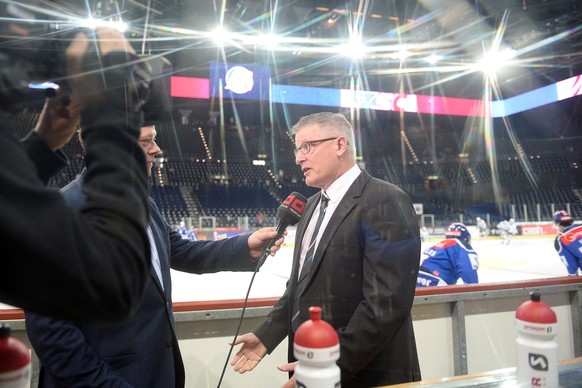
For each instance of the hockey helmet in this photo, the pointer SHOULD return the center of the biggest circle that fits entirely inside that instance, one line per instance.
(458, 231)
(562, 216)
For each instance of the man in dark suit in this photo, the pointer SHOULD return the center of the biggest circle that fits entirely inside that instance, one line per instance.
(363, 270)
(143, 350)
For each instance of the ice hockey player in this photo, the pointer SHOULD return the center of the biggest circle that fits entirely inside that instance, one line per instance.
(568, 242)
(449, 260)
(482, 226)
(507, 229)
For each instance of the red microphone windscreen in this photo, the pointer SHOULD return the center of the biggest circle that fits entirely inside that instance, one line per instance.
(292, 208)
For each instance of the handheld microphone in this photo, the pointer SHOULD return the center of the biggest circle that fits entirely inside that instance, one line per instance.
(289, 213)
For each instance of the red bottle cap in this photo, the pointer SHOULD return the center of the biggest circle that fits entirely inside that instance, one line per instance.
(315, 333)
(535, 311)
(13, 353)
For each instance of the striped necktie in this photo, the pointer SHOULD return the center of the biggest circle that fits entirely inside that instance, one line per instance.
(308, 260)
(311, 251)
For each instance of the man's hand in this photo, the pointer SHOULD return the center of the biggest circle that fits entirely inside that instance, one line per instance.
(258, 242)
(249, 355)
(288, 368)
(113, 73)
(58, 120)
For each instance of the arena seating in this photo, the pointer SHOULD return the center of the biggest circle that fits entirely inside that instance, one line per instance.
(232, 172)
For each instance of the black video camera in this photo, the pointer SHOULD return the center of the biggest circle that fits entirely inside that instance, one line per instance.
(33, 62)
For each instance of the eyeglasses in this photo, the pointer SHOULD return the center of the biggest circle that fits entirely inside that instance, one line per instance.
(305, 148)
(147, 143)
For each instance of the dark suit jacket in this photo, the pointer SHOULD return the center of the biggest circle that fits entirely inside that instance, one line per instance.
(141, 351)
(363, 277)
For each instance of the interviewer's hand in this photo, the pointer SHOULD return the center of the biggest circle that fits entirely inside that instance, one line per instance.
(58, 120)
(249, 355)
(258, 242)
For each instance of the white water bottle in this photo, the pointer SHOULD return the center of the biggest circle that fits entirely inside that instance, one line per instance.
(537, 353)
(316, 347)
(15, 361)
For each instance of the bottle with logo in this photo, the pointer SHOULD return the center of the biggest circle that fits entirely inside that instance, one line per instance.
(537, 352)
(316, 347)
(15, 361)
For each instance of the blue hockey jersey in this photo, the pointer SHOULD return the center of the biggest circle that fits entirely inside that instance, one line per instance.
(448, 261)
(568, 244)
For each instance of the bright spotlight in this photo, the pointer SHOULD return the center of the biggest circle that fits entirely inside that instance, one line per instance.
(433, 58)
(494, 61)
(269, 41)
(220, 35)
(353, 49)
(94, 23)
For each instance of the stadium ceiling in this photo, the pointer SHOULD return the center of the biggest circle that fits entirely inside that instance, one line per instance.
(305, 40)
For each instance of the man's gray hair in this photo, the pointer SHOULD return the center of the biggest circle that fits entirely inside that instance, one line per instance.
(334, 122)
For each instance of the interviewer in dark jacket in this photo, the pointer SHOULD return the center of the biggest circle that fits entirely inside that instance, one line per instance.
(142, 351)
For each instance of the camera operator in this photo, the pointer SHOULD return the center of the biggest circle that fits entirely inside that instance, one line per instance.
(92, 263)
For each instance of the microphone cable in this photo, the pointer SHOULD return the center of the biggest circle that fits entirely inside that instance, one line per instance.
(289, 213)
(259, 264)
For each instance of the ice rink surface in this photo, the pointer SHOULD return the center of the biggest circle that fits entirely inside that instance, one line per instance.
(524, 258)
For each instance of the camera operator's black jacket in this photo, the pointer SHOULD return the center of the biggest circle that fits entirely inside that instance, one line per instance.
(85, 264)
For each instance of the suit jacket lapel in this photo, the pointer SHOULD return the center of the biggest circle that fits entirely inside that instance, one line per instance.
(346, 204)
